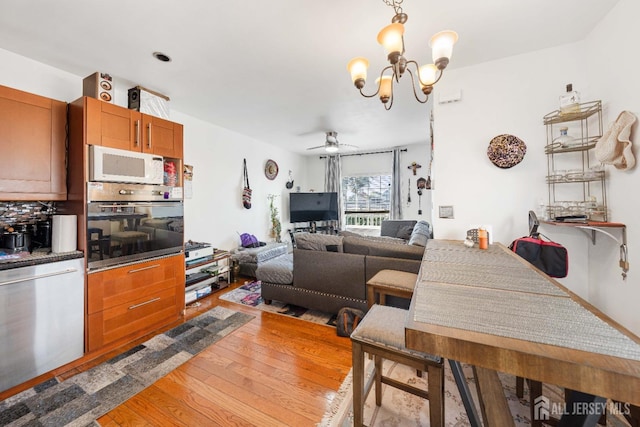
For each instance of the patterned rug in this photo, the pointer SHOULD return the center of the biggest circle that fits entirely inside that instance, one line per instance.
(250, 294)
(81, 399)
(402, 409)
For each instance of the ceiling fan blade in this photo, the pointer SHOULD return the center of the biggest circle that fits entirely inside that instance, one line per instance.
(315, 148)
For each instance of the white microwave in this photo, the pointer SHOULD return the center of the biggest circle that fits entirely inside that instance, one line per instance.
(113, 165)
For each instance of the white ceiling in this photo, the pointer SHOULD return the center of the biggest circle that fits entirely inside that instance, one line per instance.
(276, 71)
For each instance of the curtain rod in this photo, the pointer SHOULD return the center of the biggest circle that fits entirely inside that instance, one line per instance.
(364, 154)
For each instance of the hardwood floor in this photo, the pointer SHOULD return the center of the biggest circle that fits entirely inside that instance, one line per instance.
(273, 371)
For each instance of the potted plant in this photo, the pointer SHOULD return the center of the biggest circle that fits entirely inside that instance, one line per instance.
(276, 226)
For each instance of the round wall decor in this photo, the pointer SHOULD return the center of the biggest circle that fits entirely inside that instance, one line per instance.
(271, 169)
(506, 151)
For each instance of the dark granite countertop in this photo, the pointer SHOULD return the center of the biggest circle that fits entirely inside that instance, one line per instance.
(39, 256)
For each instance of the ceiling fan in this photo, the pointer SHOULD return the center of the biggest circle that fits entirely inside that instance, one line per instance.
(331, 145)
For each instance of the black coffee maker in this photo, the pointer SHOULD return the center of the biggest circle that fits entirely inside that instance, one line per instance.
(41, 234)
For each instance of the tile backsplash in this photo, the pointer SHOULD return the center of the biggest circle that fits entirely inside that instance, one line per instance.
(19, 212)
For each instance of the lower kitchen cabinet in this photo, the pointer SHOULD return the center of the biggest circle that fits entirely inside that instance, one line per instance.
(127, 302)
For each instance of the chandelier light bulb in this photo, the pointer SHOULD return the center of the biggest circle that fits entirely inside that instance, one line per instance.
(384, 83)
(390, 37)
(427, 75)
(442, 47)
(358, 69)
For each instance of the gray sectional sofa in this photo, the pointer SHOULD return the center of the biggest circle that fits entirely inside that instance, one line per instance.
(331, 272)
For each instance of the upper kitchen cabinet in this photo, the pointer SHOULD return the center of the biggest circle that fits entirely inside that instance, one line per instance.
(32, 138)
(118, 127)
(161, 137)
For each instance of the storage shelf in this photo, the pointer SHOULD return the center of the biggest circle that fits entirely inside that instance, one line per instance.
(587, 145)
(218, 278)
(592, 228)
(587, 109)
(587, 133)
(555, 180)
(571, 164)
(601, 224)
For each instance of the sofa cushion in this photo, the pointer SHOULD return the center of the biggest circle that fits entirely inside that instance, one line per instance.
(356, 245)
(420, 234)
(381, 248)
(260, 254)
(405, 232)
(393, 227)
(396, 251)
(276, 270)
(318, 242)
(383, 239)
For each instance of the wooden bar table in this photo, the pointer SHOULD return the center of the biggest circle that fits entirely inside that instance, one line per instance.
(494, 310)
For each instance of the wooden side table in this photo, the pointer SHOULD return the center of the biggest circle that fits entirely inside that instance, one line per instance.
(390, 282)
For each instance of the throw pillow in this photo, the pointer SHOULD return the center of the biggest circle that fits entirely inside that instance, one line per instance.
(420, 234)
(405, 232)
(318, 242)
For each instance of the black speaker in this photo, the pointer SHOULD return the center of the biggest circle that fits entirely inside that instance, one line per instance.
(98, 85)
(134, 99)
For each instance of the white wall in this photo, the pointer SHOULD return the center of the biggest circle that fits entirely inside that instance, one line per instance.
(353, 165)
(27, 75)
(613, 45)
(511, 96)
(215, 213)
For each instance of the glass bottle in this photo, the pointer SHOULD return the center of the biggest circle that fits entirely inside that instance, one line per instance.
(564, 140)
(569, 101)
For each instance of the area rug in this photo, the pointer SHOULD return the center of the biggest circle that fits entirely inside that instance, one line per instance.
(250, 294)
(403, 409)
(81, 399)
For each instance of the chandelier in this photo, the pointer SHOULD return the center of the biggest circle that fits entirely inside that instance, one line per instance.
(391, 37)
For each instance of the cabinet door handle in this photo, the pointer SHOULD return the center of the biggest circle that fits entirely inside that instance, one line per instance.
(149, 135)
(137, 140)
(38, 276)
(144, 303)
(144, 268)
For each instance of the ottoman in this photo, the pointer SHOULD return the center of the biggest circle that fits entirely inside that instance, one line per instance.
(277, 270)
(250, 259)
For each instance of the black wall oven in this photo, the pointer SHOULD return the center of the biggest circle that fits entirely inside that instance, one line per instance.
(131, 222)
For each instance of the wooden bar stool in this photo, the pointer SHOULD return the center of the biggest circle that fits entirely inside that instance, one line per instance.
(381, 334)
(390, 282)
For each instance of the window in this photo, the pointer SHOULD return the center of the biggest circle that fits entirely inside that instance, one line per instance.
(366, 200)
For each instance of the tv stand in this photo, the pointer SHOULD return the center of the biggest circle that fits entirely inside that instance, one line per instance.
(322, 227)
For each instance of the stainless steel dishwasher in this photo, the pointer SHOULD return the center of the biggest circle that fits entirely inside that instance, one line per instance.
(41, 319)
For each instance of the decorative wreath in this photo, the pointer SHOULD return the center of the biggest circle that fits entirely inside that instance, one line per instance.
(506, 151)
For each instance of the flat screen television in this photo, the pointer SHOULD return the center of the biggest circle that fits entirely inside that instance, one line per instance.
(305, 207)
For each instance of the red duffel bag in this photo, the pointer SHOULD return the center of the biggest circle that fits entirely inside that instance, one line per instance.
(548, 256)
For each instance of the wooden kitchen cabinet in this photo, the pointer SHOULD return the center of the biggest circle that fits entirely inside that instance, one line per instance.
(32, 139)
(162, 137)
(117, 127)
(128, 302)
